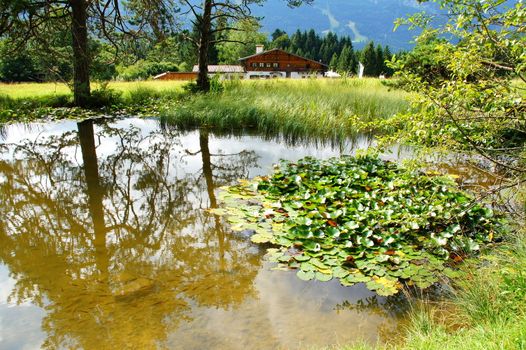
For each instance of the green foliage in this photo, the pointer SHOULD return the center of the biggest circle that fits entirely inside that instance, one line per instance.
(468, 95)
(145, 69)
(241, 42)
(361, 220)
(20, 67)
(423, 62)
(104, 96)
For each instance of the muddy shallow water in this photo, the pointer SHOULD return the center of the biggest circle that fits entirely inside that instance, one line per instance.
(106, 243)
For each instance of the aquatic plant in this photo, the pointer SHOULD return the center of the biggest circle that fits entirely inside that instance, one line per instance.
(361, 220)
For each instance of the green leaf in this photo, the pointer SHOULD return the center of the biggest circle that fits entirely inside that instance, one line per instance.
(323, 277)
(305, 275)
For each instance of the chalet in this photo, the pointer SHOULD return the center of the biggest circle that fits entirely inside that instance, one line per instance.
(277, 63)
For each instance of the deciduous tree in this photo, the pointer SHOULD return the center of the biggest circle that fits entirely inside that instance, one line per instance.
(115, 20)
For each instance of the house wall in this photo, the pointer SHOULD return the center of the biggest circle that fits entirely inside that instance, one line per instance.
(281, 61)
(177, 76)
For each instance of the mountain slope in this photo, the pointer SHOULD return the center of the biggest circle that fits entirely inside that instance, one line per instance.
(362, 20)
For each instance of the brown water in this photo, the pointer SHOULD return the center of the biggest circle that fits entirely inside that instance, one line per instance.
(106, 243)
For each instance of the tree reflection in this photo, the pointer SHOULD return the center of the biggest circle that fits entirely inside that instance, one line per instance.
(119, 249)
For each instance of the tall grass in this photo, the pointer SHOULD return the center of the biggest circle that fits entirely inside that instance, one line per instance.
(323, 108)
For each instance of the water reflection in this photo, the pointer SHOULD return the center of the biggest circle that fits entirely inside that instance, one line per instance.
(105, 228)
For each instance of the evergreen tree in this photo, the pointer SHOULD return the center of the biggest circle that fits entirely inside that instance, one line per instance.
(344, 59)
(334, 62)
(277, 33)
(368, 59)
(379, 66)
(388, 56)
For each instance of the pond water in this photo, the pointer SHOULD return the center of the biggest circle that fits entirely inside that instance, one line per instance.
(106, 242)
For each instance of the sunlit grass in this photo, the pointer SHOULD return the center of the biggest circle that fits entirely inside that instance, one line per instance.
(327, 108)
(36, 90)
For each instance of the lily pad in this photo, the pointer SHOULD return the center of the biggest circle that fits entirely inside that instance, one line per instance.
(361, 220)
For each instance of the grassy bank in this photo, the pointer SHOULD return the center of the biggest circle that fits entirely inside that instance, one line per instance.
(25, 102)
(326, 108)
(486, 312)
(321, 108)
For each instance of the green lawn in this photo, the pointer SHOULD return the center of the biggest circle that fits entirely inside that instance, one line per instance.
(35, 90)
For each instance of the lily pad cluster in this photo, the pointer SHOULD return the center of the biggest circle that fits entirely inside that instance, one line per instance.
(360, 220)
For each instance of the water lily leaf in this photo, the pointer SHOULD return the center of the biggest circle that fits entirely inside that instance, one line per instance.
(301, 257)
(305, 275)
(357, 277)
(322, 277)
(360, 219)
(340, 272)
(261, 238)
(305, 266)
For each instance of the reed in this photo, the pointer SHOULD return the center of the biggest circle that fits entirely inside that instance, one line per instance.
(323, 108)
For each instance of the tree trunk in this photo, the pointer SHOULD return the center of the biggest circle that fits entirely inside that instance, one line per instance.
(210, 186)
(95, 193)
(205, 31)
(81, 59)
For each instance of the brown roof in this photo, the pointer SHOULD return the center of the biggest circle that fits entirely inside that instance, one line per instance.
(222, 68)
(288, 53)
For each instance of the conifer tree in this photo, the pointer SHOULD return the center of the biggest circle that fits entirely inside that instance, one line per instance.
(334, 62)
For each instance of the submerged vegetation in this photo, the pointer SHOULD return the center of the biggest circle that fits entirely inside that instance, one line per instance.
(361, 220)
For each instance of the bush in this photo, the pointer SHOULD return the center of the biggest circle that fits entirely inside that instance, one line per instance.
(145, 69)
(104, 96)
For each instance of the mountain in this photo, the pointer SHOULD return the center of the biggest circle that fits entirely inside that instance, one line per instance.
(362, 20)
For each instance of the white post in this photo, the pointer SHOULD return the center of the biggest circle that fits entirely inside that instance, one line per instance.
(360, 70)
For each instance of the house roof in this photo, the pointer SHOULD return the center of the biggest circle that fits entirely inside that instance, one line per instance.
(280, 50)
(222, 68)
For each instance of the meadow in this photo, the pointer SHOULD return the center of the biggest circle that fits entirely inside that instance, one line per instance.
(39, 90)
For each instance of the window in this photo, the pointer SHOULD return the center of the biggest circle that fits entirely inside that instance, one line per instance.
(254, 64)
(268, 65)
(275, 65)
(262, 65)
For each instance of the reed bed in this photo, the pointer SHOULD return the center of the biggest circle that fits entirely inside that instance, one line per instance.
(322, 108)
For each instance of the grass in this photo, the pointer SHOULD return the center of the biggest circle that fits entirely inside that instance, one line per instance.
(487, 310)
(29, 101)
(39, 90)
(321, 108)
(330, 109)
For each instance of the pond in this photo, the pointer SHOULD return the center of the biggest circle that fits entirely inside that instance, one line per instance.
(107, 242)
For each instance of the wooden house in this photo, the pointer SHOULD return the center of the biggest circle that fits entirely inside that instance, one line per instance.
(277, 63)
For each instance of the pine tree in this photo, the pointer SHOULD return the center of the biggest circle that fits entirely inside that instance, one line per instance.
(368, 57)
(334, 62)
(388, 56)
(379, 61)
(344, 59)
